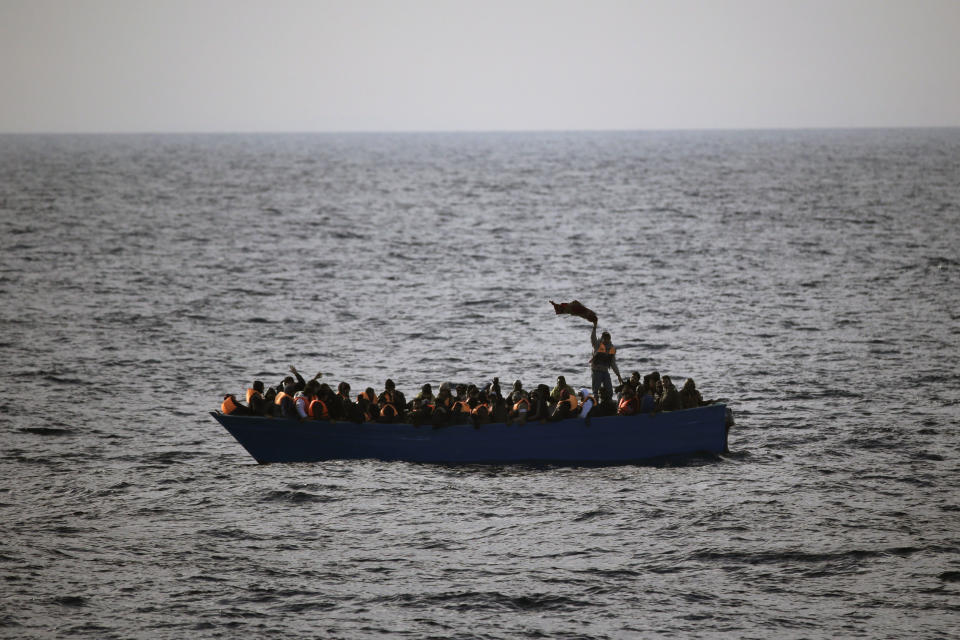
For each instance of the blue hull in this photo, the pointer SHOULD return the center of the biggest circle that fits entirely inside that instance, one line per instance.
(604, 441)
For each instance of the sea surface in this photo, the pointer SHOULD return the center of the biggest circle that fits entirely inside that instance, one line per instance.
(810, 278)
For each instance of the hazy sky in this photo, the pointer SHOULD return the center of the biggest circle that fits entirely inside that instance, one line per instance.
(359, 65)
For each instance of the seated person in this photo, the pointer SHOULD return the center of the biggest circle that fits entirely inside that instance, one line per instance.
(561, 385)
(391, 396)
(540, 408)
(367, 405)
(567, 406)
(670, 399)
(516, 392)
(690, 397)
(479, 407)
(629, 403)
(607, 406)
(283, 405)
(269, 398)
(343, 407)
(442, 407)
(498, 407)
(521, 407)
(256, 400)
(586, 401)
(460, 410)
(230, 406)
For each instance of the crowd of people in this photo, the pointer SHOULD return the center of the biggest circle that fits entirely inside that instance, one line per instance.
(297, 398)
(311, 399)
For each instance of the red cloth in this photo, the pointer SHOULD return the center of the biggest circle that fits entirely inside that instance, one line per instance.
(575, 309)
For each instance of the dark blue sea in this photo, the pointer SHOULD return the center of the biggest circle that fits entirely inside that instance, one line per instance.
(810, 278)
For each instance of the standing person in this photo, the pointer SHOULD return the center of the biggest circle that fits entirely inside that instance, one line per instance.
(604, 358)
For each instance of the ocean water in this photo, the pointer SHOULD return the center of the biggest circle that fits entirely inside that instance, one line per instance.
(811, 278)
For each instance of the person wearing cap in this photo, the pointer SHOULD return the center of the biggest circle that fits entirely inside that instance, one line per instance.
(604, 358)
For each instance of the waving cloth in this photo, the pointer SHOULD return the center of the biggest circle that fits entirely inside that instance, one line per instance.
(574, 309)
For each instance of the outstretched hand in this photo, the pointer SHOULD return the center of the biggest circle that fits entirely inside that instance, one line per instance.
(293, 369)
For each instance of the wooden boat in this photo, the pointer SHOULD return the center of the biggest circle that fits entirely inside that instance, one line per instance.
(608, 440)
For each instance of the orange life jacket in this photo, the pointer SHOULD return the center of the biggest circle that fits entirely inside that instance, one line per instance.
(481, 410)
(571, 402)
(388, 411)
(522, 403)
(280, 396)
(628, 406)
(603, 348)
(369, 397)
(228, 406)
(603, 356)
(252, 392)
(460, 406)
(318, 409)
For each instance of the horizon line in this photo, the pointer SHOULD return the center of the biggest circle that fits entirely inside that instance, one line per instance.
(476, 131)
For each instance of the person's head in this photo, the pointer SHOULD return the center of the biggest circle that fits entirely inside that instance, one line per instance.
(635, 377)
(258, 385)
(389, 385)
(667, 382)
(655, 376)
(689, 385)
(270, 393)
(461, 389)
(605, 336)
(444, 392)
(370, 393)
(344, 388)
(628, 392)
(561, 381)
(289, 389)
(517, 385)
(288, 380)
(426, 390)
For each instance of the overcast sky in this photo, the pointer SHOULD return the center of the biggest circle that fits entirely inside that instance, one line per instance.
(429, 65)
